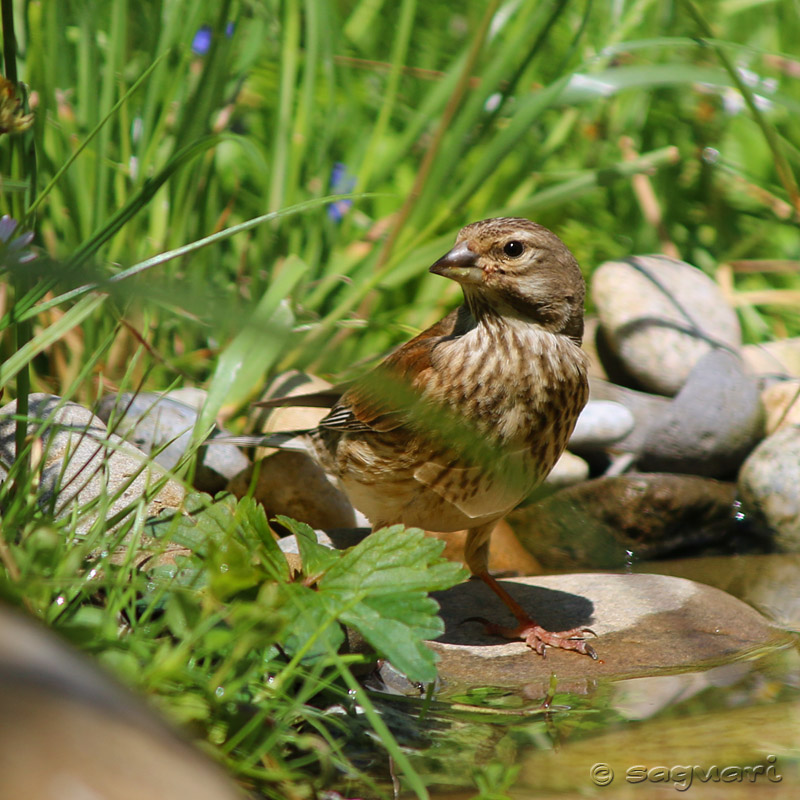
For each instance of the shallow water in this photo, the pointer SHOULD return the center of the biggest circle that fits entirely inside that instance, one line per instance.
(732, 730)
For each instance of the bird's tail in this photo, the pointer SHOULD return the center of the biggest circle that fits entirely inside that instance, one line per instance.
(284, 440)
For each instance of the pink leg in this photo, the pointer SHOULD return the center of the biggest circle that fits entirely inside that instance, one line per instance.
(535, 636)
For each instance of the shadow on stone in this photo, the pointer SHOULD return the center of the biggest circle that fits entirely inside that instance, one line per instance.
(551, 608)
(645, 625)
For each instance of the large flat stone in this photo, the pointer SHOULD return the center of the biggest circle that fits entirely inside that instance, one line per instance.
(645, 625)
(69, 731)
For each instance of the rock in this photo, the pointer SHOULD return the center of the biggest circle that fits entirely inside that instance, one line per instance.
(292, 484)
(766, 581)
(163, 424)
(610, 522)
(660, 316)
(98, 464)
(781, 403)
(713, 423)
(69, 731)
(768, 484)
(780, 358)
(506, 555)
(601, 423)
(644, 408)
(645, 625)
(290, 418)
(388, 680)
(150, 421)
(191, 396)
(569, 470)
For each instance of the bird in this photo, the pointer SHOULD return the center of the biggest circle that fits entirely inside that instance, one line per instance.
(460, 424)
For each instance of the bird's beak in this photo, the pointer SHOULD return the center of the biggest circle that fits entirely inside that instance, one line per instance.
(460, 264)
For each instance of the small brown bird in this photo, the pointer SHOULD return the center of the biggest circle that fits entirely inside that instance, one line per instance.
(456, 427)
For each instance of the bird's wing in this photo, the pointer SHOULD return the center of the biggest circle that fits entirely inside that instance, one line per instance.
(474, 489)
(379, 402)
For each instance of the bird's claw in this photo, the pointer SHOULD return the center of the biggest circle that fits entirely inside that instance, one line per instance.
(539, 639)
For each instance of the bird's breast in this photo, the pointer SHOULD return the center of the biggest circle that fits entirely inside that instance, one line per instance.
(515, 383)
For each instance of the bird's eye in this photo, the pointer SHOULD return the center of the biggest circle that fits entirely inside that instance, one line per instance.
(513, 248)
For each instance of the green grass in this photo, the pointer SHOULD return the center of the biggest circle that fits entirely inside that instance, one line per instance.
(180, 203)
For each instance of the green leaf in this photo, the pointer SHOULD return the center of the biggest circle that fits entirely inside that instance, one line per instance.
(316, 557)
(254, 525)
(394, 559)
(200, 520)
(312, 622)
(385, 580)
(379, 587)
(181, 613)
(207, 526)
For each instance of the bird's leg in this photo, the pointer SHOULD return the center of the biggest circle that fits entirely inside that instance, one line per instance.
(476, 553)
(535, 636)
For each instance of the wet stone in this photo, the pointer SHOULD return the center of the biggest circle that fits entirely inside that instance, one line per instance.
(768, 483)
(609, 522)
(645, 625)
(766, 581)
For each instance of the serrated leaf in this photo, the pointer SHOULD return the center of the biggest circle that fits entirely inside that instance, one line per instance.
(311, 621)
(255, 526)
(199, 521)
(392, 560)
(379, 587)
(387, 577)
(401, 643)
(316, 558)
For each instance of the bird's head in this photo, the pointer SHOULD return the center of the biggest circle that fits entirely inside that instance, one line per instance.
(514, 268)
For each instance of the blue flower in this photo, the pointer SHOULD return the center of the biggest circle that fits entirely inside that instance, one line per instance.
(201, 43)
(341, 183)
(13, 250)
(202, 40)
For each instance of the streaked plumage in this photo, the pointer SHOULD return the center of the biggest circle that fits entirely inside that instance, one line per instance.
(460, 424)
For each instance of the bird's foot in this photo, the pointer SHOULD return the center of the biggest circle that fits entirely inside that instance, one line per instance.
(539, 639)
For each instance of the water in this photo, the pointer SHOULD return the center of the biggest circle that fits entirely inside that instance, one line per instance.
(736, 723)
(727, 729)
